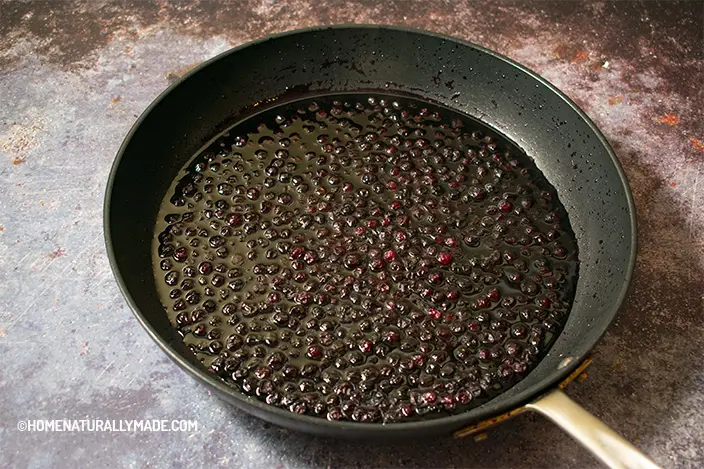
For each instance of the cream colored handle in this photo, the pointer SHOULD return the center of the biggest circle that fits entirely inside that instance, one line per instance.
(592, 433)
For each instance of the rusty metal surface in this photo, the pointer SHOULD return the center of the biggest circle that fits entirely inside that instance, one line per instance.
(75, 75)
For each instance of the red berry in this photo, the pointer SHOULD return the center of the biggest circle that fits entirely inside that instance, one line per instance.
(181, 254)
(402, 221)
(448, 400)
(389, 255)
(430, 397)
(417, 360)
(376, 265)
(435, 278)
(310, 257)
(314, 352)
(297, 252)
(463, 397)
(365, 346)
(274, 297)
(505, 206)
(304, 298)
(391, 337)
(205, 268)
(434, 313)
(445, 258)
(233, 219)
(559, 252)
(300, 277)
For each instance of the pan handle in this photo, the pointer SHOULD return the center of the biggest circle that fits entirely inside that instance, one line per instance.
(591, 432)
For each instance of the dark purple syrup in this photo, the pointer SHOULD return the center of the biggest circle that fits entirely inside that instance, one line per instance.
(368, 258)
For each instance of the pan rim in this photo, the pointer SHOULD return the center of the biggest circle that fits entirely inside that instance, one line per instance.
(246, 403)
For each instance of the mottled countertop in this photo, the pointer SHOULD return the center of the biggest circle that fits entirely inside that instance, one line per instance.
(74, 77)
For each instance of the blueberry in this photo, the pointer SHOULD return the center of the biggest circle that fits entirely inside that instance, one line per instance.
(390, 252)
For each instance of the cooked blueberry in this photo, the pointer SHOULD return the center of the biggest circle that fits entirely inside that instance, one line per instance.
(407, 268)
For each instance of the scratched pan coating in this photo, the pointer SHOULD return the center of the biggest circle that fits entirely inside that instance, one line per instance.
(567, 147)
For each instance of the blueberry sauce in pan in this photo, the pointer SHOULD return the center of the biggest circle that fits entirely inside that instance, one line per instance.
(367, 258)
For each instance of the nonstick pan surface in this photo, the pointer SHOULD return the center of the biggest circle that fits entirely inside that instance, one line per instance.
(565, 144)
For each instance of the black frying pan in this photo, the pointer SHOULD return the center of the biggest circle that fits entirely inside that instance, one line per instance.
(565, 144)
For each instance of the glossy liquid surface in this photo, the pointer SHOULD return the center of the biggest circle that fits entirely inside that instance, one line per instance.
(365, 257)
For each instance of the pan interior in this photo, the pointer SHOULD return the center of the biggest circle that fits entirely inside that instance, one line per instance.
(383, 254)
(566, 147)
